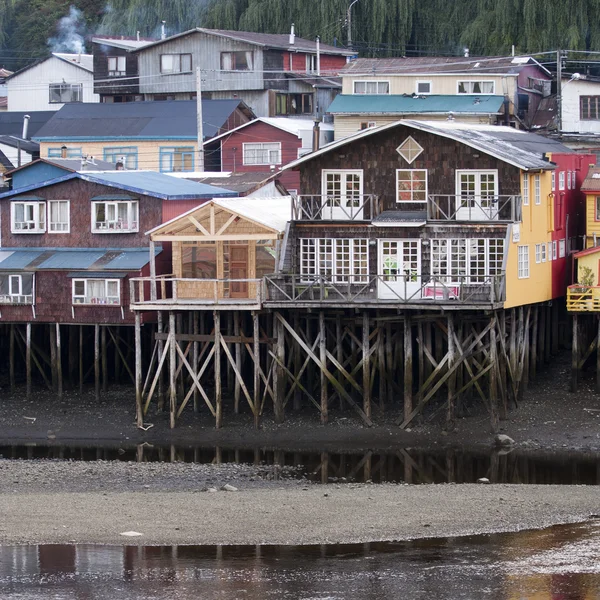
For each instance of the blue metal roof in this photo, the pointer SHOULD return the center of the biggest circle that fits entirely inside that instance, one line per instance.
(131, 259)
(72, 259)
(393, 104)
(17, 259)
(149, 183)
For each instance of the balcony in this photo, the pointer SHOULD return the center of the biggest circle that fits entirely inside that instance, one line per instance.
(166, 292)
(321, 207)
(583, 299)
(16, 299)
(457, 208)
(462, 291)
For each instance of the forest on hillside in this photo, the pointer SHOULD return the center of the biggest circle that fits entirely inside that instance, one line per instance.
(29, 29)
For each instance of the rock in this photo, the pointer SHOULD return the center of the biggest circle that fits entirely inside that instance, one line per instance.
(229, 488)
(212, 490)
(483, 480)
(503, 440)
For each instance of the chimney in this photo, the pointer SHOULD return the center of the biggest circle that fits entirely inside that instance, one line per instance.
(63, 152)
(316, 136)
(292, 36)
(163, 34)
(83, 163)
(318, 56)
(119, 166)
(138, 36)
(466, 53)
(25, 126)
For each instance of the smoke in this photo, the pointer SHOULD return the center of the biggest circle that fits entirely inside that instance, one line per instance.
(69, 33)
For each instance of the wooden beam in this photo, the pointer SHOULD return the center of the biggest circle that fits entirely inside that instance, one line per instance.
(216, 238)
(366, 365)
(575, 354)
(28, 360)
(218, 383)
(408, 367)
(451, 411)
(323, 359)
(227, 223)
(198, 225)
(172, 371)
(139, 409)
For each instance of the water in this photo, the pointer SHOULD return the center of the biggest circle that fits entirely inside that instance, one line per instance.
(560, 562)
(404, 464)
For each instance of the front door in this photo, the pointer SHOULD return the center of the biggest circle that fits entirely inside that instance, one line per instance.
(342, 193)
(238, 269)
(399, 269)
(476, 195)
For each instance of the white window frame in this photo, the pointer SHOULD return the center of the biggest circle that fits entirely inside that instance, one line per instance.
(113, 225)
(67, 225)
(538, 253)
(411, 191)
(311, 63)
(420, 81)
(562, 248)
(119, 66)
(75, 91)
(367, 125)
(471, 81)
(523, 261)
(549, 251)
(260, 147)
(553, 179)
(378, 83)
(561, 181)
(88, 300)
(38, 221)
(543, 251)
(525, 189)
(11, 291)
(176, 69)
(537, 190)
(324, 257)
(554, 250)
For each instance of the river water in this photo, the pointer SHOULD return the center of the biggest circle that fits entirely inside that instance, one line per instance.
(561, 562)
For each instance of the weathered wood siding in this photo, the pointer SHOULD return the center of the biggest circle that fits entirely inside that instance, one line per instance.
(101, 53)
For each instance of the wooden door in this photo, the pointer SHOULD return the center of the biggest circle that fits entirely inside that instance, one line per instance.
(238, 269)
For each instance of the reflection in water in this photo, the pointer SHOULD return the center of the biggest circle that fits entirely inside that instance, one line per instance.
(560, 562)
(405, 464)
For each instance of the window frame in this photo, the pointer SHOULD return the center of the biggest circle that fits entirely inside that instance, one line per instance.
(179, 56)
(412, 191)
(554, 250)
(461, 81)
(562, 248)
(593, 108)
(132, 205)
(172, 151)
(310, 63)
(261, 148)
(537, 190)
(86, 296)
(78, 87)
(377, 83)
(48, 217)
(39, 219)
(561, 181)
(553, 181)
(71, 152)
(233, 54)
(343, 260)
(118, 151)
(429, 82)
(526, 189)
(523, 270)
(117, 72)
(543, 251)
(538, 253)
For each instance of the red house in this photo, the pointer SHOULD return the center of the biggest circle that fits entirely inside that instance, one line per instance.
(269, 143)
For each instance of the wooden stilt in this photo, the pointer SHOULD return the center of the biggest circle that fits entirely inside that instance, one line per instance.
(525, 352)
(451, 413)
(408, 375)
(238, 363)
(504, 386)
(81, 359)
(172, 370)
(196, 393)
(11, 357)
(555, 327)
(323, 359)
(53, 356)
(103, 352)
(548, 346)
(139, 409)
(513, 347)
(297, 366)
(116, 337)
(575, 354)
(598, 356)
(28, 359)
(381, 366)
(278, 373)
(421, 357)
(493, 361)
(72, 355)
(218, 383)
(541, 336)
(366, 365)
(160, 405)
(256, 355)
(534, 342)
(59, 375)
(97, 360)
(389, 362)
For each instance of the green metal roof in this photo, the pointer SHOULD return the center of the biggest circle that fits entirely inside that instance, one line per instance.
(387, 104)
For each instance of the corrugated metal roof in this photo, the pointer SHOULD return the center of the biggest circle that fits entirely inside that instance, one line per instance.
(95, 275)
(394, 104)
(83, 61)
(123, 43)
(591, 183)
(171, 119)
(71, 259)
(17, 259)
(272, 212)
(11, 123)
(131, 259)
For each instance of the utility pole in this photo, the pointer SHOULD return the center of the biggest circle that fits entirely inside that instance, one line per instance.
(349, 23)
(199, 118)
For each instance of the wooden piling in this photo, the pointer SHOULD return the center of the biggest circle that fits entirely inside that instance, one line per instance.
(238, 363)
(28, 359)
(493, 361)
(534, 342)
(97, 360)
(598, 356)
(451, 408)
(218, 383)
(278, 373)
(59, 375)
(81, 374)
(366, 367)
(408, 367)
(323, 359)
(575, 354)
(11, 357)
(52, 336)
(256, 355)
(139, 408)
(104, 358)
(196, 393)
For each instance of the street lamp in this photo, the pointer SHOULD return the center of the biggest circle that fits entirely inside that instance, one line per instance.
(349, 21)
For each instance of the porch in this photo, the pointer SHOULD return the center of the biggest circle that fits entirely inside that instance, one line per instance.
(583, 298)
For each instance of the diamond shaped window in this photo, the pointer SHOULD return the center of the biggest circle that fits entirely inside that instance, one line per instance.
(409, 150)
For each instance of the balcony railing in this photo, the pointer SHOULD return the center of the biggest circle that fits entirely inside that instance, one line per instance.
(16, 299)
(583, 298)
(168, 290)
(394, 289)
(444, 207)
(324, 207)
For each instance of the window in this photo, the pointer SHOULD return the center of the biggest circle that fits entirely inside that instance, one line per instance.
(71, 153)
(116, 66)
(28, 217)
(66, 92)
(58, 216)
(423, 87)
(589, 108)
(371, 87)
(127, 154)
(475, 87)
(537, 189)
(568, 180)
(367, 125)
(175, 63)
(16, 288)
(472, 260)
(549, 251)
(525, 190)
(409, 149)
(342, 260)
(597, 208)
(561, 180)
(523, 262)
(562, 248)
(96, 291)
(553, 181)
(237, 61)
(262, 153)
(115, 216)
(293, 104)
(411, 185)
(538, 253)
(543, 252)
(176, 159)
(554, 251)
(311, 63)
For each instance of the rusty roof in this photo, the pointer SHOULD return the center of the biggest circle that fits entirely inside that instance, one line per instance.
(591, 183)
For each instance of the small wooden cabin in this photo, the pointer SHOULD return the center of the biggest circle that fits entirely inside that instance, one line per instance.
(221, 251)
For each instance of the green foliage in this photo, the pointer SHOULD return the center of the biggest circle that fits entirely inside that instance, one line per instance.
(586, 277)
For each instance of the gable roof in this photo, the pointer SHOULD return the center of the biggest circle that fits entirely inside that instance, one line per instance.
(148, 183)
(171, 119)
(243, 183)
(363, 104)
(68, 164)
(518, 148)
(591, 183)
(499, 65)
(82, 61)
(293, 126)
(124, 43)
(278, 41)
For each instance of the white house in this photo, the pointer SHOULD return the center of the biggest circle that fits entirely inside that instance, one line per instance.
(580, 104)
(51, 83)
